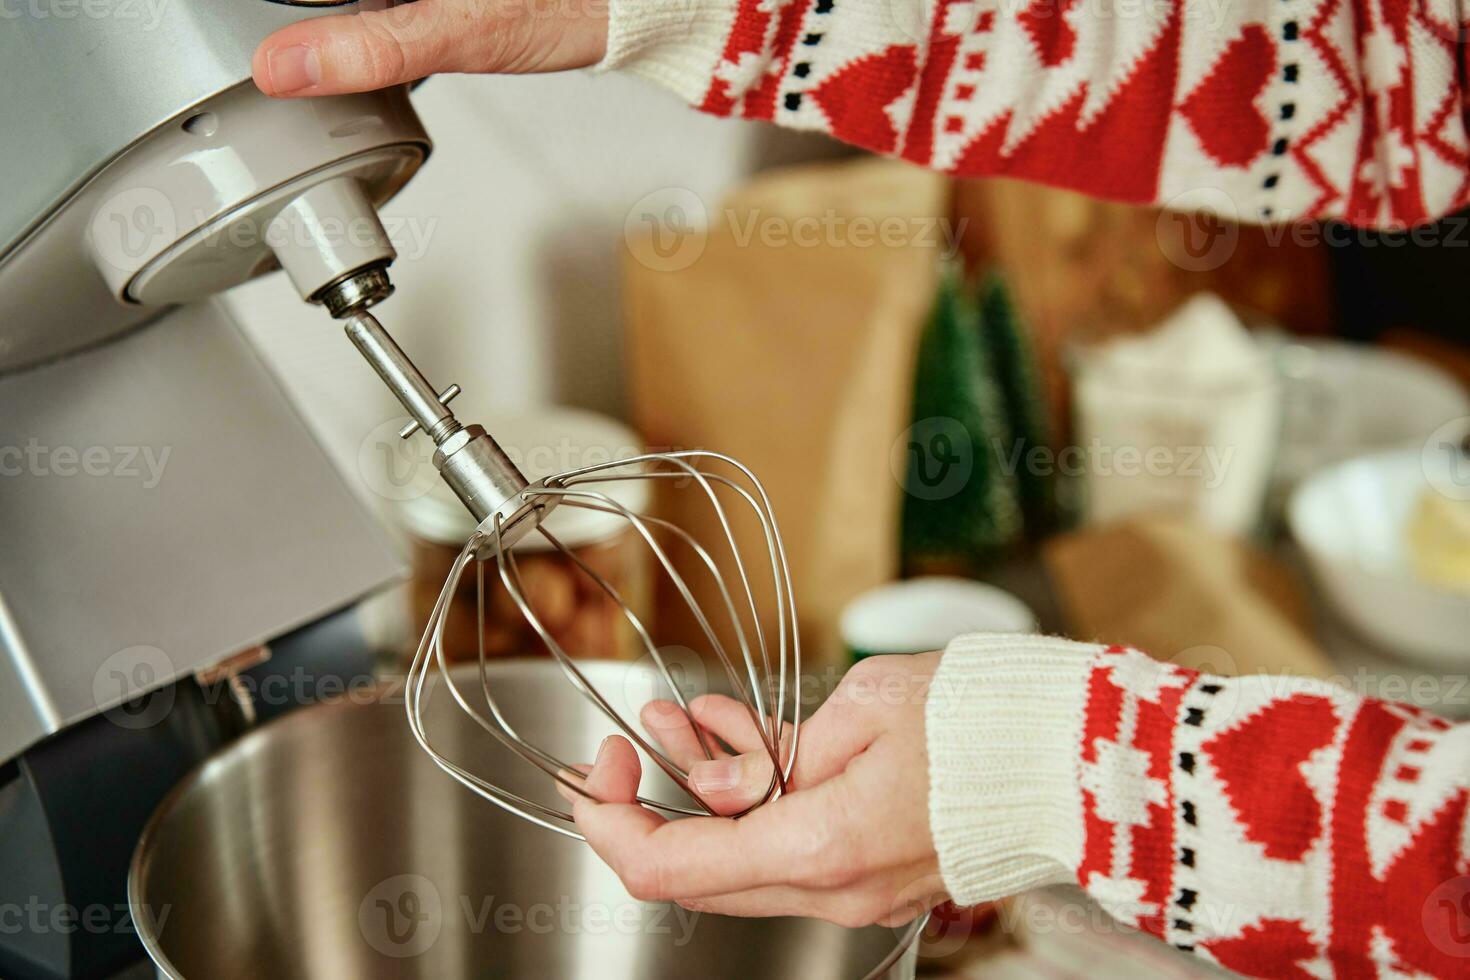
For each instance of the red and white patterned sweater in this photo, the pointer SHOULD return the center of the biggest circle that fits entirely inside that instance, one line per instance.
(1280, 827)
(1258, 109)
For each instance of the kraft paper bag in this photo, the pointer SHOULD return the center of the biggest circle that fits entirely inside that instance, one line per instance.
(1184, 594)
(786, 338)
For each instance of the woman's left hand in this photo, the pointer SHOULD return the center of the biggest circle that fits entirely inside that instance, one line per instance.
(848, 842)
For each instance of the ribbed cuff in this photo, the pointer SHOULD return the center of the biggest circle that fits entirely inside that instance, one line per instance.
(1004, 729)
(674, 43)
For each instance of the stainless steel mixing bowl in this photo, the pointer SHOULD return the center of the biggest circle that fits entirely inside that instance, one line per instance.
(325, 845)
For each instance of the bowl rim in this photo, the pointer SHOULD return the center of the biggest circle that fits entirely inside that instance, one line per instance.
(1296, 520)
(906, 937)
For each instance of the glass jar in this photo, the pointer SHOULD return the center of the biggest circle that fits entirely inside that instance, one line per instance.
(578, 613)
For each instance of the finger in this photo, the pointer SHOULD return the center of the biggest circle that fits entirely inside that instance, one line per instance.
(575, 776)
(668, 723)
(357, 52)
(759, 903)
(735, 784)
(615, 773)
(380, 48)
(852, 908)
(731, 720)
(891, 899)
(702, 856)
(829, 740)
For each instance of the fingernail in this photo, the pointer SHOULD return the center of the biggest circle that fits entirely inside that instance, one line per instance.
(718, 776)
(293, 69)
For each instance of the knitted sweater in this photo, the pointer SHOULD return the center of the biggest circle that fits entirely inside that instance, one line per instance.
(1256, 109)
(1280, 827)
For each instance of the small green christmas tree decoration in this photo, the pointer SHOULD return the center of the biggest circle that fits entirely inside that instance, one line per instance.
(1013, 360)
(961, 507)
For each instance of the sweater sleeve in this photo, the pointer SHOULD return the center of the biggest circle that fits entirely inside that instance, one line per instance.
(1279, 827)
(1262, 110)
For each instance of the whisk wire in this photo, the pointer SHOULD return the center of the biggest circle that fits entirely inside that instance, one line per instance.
(764, 701)
(747, 695)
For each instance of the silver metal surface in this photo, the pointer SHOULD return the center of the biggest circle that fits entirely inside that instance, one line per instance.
(362, 289)
(160, 494)
(83, 83)
(325, 846)
(733, 630)
(189, 211)
(474, 466)
(403, 378)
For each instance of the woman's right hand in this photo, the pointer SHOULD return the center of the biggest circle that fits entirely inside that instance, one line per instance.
(377, 49)
(849, 841)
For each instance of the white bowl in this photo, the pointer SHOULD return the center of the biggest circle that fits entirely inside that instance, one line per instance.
(1350, 520)
(1348, 399)
(921, 614)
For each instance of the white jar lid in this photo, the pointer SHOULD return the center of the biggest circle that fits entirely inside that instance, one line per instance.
(541, 443)
(921, 614)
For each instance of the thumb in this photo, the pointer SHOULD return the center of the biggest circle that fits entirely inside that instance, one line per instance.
(733, 784)
(355, 52)
(381, 48)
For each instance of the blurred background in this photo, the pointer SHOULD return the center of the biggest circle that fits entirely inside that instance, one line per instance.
(976, 405)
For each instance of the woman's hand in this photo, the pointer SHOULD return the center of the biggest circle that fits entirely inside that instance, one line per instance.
(376, 49)
(849, 841)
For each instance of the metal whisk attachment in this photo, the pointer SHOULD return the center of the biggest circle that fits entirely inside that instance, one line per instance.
(760, 669)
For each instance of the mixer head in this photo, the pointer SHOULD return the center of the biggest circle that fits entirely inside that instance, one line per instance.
(761, 670)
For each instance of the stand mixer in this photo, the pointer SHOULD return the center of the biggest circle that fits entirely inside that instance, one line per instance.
(146, 174)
